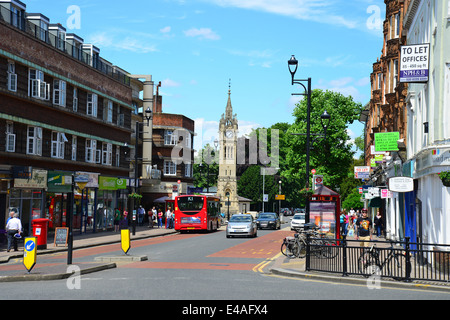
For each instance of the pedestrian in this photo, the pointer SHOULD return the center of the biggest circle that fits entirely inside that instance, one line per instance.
(141, 212)
(13, 227)
(117, 218)
(151, 217)
(364, 229)
(378, 222)
(342, 222)
(168, 217)
(160, 215)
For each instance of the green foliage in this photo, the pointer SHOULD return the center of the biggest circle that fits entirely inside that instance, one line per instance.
(250, 185)
(353, 201)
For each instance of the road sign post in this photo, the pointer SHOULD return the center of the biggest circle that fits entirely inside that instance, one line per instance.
(30, 253)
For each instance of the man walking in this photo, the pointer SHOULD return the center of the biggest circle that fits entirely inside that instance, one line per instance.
(13, 227)
(364, 229)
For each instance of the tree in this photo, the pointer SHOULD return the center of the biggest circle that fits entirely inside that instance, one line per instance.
(353, 201)
(206, 156)
(250, 186)
(331, 157)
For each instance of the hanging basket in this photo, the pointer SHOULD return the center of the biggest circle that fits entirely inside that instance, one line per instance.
(445, 178)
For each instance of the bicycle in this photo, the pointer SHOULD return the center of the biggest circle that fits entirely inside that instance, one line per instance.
(369, 263)
(320, 246)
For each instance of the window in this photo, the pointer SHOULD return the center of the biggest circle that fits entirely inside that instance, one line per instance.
(170, 168)
(92, 104)
(38, 88)
(170, 138)
(58, 141)
(397, 25)
(107, 154)
(91, 150)
(10, 137)
(379, 81)
(75, 100)
(117, 156)
(17, 16)
(12, 77)
(108, 111)
(74, 148)
(188, 170)
(43, 30)
(395, 73)
(59, 93)
(34, 141)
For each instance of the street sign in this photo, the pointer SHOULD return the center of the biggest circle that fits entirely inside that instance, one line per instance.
(265, 197)
(125, 240)
(415, 63)
(29, 253)
(280, 197)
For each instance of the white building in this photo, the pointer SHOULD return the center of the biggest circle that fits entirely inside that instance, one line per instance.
(428, 119)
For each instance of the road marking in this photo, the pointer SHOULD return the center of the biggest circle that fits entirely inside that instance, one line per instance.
(260, 267)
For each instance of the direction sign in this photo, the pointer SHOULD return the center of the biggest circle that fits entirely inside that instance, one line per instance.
(125, 240)
(29, 253)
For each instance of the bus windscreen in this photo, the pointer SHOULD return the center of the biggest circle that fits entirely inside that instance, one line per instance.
(190, 205)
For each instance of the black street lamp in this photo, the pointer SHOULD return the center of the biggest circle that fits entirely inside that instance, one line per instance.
(325, 119)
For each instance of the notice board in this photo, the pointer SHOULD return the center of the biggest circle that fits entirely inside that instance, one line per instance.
(61, 236)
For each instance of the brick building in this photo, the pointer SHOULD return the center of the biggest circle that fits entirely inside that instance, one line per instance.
(64, 112)
(387, 105)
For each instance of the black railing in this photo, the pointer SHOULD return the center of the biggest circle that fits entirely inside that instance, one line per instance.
(403, 260)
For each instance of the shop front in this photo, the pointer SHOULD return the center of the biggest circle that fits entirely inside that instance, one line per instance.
(112, 194)
(27, 197)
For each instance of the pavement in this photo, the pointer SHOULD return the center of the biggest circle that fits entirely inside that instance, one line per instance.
(277, 266)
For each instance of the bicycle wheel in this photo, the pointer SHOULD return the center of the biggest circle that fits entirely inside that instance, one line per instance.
(302, 250)
(367, 265)
(289, 249)
(397, 267)
(329, 249)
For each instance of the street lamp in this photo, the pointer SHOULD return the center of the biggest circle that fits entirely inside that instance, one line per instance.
(325, 119)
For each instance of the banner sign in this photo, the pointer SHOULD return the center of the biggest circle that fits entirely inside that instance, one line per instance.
(386, 141)
(414, 63)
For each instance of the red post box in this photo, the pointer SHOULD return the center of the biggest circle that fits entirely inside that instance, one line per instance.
(40, 231)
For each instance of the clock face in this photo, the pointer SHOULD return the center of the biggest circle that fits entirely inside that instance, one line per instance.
(229, 134)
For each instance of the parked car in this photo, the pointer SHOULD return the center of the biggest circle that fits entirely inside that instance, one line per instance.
(268, 220)
(298, 221)
(242, 225)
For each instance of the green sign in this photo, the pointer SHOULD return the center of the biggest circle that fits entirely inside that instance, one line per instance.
(386, 141)
(59, 181)
(108, 183)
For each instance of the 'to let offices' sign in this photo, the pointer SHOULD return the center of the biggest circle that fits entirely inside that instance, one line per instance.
(415, 63)
(386, 141)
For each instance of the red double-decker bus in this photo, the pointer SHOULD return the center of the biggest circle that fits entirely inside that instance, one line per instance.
(196, 212)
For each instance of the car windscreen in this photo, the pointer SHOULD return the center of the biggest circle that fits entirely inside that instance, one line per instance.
(266, 216)
(190, 205)
(241, 219)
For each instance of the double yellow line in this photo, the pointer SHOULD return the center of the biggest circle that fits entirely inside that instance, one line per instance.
(260, 267)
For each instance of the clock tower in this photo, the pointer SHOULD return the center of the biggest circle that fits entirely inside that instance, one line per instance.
(227, 181)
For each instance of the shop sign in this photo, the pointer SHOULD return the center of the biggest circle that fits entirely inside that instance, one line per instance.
(386, 141)
(38, 181)
(109, 183)
(414, 63)
(58, 181)
(401, 184)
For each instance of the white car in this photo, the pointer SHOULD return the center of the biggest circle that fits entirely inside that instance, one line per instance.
(298, 221)
(242, 225)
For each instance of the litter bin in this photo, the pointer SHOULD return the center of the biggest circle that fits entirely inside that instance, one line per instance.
(40, 231)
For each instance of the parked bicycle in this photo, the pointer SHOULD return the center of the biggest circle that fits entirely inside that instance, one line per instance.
(395, 265)
(320, 246)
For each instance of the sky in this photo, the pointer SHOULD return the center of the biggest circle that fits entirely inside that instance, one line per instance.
(194, 47)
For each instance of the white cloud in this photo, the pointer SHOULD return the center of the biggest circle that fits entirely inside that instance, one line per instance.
(168, 83)
(166, 29)
(202, 33)
(129, 43)
(312, 10)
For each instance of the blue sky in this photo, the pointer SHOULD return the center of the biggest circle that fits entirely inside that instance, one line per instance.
(195, 46)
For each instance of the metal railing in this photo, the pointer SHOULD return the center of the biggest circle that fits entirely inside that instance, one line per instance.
(401, 260)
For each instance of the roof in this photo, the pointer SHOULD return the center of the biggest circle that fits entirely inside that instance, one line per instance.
(324, 191)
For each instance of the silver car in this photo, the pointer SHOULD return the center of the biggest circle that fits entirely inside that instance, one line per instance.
(298, 221)
(242, 225)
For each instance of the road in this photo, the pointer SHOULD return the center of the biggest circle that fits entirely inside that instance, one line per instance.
(196, 267)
